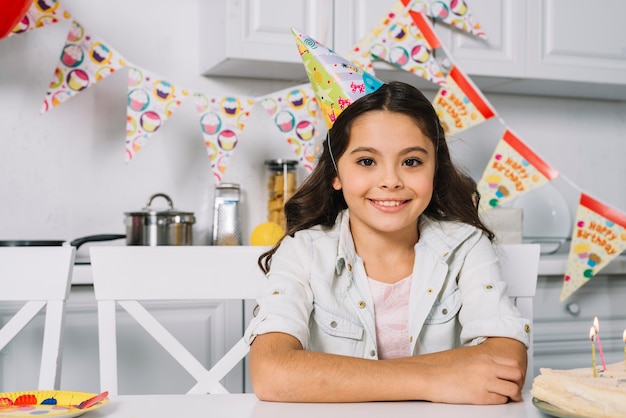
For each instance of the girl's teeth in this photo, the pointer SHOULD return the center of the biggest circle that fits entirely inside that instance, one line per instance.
(388, 203)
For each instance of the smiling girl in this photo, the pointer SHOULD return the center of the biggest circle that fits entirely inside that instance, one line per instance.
(386, 285)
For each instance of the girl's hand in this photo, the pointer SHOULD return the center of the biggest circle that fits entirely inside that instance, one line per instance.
(479, 379)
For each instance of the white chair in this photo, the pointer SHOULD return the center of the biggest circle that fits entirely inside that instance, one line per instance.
(40, 277)
(519, 265)
(130, 276)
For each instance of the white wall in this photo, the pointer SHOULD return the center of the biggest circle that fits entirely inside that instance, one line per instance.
(62, 174)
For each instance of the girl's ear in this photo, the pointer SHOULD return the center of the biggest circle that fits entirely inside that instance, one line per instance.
(336, 183)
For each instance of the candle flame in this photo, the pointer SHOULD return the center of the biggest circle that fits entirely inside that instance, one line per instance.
(592, 333)
(596, 324)
(624, 336)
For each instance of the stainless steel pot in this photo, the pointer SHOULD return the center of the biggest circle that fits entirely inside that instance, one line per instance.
(152, 226)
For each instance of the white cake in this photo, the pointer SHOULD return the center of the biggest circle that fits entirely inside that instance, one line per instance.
(577, 392)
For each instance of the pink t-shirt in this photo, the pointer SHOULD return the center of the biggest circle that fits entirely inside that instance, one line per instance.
(391, 312)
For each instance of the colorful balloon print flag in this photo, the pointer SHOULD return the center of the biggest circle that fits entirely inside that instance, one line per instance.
(452, 12)
(150, 101)
(85, 60)
(598, 237)
(336, 81)
(409, 42)
(222, 120)
(512, 170)
(460, 104)
(41, 13)
(297, 116)
(361, 53)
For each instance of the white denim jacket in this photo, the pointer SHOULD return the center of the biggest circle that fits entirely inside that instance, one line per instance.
(317, 291)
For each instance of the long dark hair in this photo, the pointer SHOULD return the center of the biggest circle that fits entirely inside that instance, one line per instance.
(455, 197)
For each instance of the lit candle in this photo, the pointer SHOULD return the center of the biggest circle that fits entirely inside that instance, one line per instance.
(592, 334)
(596, 327)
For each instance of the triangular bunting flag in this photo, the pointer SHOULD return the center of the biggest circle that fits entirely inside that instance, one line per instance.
(150, 102)
(297, 116)
(408, 41)
(512, 170)
(85, 60)
(336, 81)
(222, 120)
(460, 104)
(361, 53)
(452, 12)
(40, 14)
(598, 237)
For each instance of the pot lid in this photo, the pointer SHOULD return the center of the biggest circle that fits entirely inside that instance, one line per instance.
(155, 211)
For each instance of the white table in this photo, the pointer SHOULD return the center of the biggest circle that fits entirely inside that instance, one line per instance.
(248, 406)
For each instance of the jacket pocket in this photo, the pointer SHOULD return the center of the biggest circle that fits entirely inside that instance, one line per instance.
(445, 308)
(336, 325)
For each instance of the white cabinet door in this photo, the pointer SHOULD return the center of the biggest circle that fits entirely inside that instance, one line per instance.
(577, 41)
(502, 53)
(250, 37)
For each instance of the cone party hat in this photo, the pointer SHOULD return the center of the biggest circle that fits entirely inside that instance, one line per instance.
(336, 81)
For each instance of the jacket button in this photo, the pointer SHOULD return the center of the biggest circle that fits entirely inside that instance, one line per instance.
(527, 328)
(372, 353)
(333, 324)
(444, 311)
(349, 267)
(362, 305)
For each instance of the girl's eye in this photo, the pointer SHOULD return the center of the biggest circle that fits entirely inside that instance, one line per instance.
(366, 162)
(412, 162)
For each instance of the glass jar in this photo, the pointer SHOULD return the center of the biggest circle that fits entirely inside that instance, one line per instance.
(281, 185)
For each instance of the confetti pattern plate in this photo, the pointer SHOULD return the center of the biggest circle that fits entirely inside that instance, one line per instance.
(45, 403)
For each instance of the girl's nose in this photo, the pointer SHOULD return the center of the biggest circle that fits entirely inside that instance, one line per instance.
(391, 179)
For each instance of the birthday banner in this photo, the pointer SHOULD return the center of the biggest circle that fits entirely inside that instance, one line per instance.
(151, 100)
(409, 42)
(85, 60)
(512, 170)
(297, 116)
(460, 104)
(40, 14)
(598, 237)
(222, 120)
(361, 52)
(452, 12)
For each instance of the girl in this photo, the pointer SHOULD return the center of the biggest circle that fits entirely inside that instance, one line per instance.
(386, 285)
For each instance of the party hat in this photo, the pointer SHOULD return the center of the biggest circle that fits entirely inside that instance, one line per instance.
(336, 81)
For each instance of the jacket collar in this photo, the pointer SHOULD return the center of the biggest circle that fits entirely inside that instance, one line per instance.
(439, 237)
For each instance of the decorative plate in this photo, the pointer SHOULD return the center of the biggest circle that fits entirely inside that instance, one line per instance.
(554, 411)
(45, 403)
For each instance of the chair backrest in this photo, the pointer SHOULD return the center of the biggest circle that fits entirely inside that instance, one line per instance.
(519, 265)
(130, 276)
(40, 277)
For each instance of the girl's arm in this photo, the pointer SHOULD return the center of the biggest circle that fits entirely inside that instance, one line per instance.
(489, 373)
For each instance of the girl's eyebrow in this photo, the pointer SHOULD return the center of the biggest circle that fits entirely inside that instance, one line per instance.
(405, 151)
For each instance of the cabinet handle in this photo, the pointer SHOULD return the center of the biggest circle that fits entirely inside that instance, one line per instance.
(573, 308)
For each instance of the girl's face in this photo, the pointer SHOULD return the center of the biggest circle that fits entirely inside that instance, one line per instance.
(386, 173)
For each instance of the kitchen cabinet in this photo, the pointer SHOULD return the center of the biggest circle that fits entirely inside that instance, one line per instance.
(207, 329)
(252, 38)
(543, 47)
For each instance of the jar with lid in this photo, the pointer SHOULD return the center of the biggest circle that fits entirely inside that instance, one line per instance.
(281, 185)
